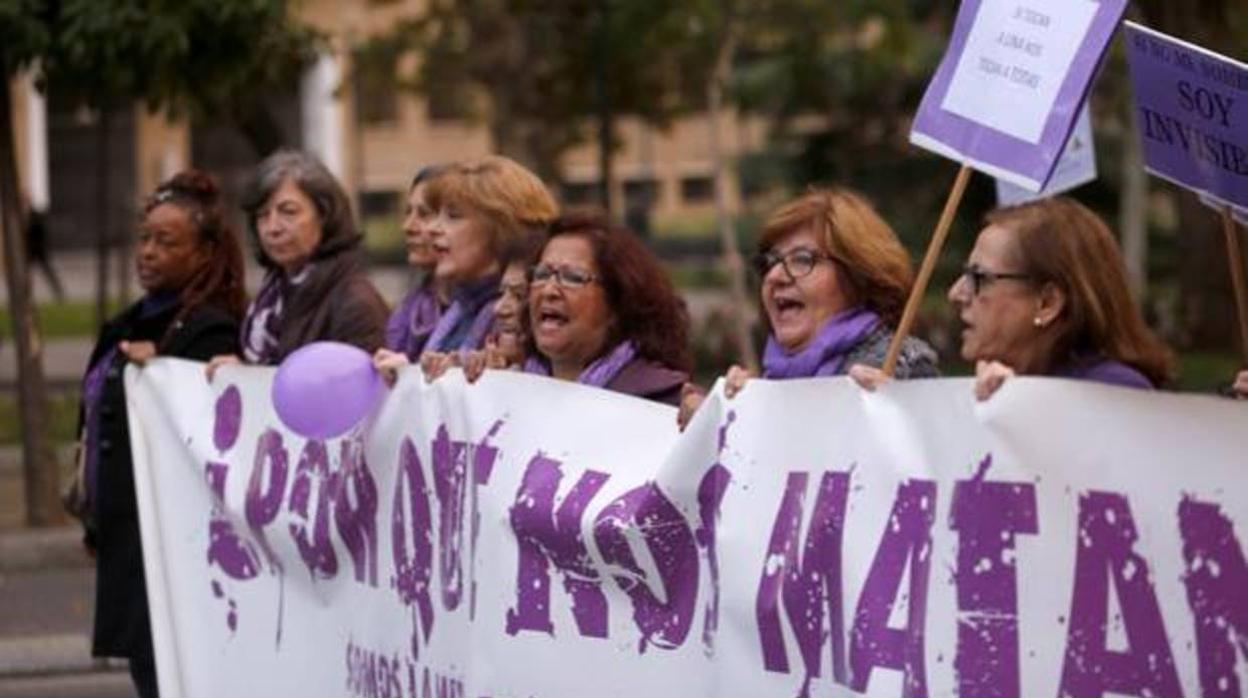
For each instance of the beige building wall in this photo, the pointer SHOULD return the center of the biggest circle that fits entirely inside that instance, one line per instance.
(380, 158)
(384, 156)
(162, 147)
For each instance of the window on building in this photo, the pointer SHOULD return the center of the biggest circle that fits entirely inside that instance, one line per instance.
(376, 203)
(376, 84)
(579, 193)
(697, 190)
(641, 192)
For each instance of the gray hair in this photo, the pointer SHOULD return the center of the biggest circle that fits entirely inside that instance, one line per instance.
(338, 229)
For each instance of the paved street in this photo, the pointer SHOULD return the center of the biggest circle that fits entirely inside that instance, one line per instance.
(47, 598)
(107, 684)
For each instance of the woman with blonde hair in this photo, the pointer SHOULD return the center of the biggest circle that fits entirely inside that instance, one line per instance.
(483, 207)
(1045, 292)
(835, 279)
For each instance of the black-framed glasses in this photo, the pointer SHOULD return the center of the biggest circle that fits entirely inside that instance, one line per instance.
(797, 262)
(980, 277)
(567, 277)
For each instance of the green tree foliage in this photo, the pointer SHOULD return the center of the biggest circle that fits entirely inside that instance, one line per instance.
(216, 56)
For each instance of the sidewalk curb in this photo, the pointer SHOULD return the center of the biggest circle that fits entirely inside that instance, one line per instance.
(41, 549)
(51, 655)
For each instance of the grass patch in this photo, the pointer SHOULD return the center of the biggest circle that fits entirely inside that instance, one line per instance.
(61, 319)
(62, 417)
(1206, 372)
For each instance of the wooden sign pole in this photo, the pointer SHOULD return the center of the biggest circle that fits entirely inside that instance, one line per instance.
(929, 265)
(1236, 259)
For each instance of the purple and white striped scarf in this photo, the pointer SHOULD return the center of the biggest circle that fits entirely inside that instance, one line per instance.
(262, 326)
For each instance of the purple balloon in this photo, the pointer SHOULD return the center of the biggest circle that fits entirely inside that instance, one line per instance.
(325, 388)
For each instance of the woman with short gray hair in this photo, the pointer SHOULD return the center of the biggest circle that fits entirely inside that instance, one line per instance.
(315, 287)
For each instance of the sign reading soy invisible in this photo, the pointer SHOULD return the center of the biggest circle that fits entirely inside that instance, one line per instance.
(1006, 95)
(1192, 109)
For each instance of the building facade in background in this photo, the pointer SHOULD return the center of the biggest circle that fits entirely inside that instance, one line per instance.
(368, 132)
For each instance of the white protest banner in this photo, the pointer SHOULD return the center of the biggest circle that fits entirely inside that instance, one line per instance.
(533, 538)
(1075, 168)
(1012, 82)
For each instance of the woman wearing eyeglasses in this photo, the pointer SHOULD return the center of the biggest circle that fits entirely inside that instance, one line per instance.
(604, 313)
(1045, 292)
(481, 206)
(834, 282)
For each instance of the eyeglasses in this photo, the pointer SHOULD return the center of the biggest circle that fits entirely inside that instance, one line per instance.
(979, 277)
(566, 277)
(797, 262)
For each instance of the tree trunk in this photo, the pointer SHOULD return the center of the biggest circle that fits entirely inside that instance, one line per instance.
(727, 234)
(605, 116)
(1206, 304)
(101, 222)
(39, 469)
(1133, 211)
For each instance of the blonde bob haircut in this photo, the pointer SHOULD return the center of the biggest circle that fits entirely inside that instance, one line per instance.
(871, 263)
(514, 201)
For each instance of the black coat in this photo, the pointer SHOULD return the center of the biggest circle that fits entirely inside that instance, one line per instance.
(122, 626)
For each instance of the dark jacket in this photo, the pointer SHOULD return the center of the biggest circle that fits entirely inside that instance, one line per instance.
(338, 303)
(915, 360)
(650, 380)
(122, 627)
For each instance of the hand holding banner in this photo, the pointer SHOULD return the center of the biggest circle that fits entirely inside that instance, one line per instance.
(533, 538)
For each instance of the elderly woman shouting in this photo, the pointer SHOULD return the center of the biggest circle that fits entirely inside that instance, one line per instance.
(1044, 292)
(604, 313)
(834, 281)
(315, 287)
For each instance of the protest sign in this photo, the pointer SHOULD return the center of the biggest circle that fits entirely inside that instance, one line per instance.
(535, 538)
(1004, 100)
(1012, 82)
(1076, 167)
(1192, 109)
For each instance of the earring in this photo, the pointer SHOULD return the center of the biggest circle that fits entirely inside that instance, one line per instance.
(1037, 321)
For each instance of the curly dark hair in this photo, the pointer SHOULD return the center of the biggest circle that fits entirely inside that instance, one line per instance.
(219, 282)
(647, 308)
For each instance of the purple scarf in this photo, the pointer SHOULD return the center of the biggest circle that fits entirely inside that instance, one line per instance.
(826, 352)
(599, 372)
(93, 392)
(415, 319)
(467, 320)
(262, 326)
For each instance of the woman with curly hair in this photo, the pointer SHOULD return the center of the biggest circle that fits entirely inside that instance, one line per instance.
(604, 313)
(190, 266)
